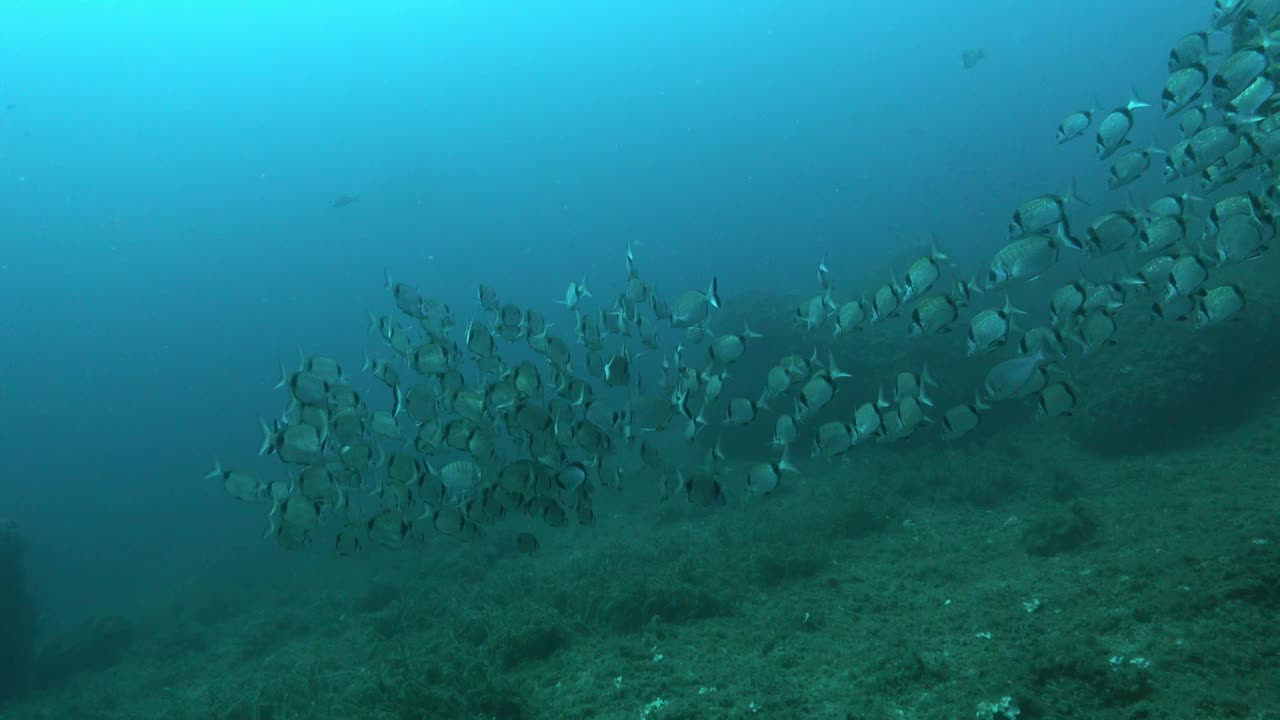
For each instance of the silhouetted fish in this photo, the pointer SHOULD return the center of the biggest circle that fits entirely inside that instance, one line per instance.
(344, 200)
(972, 57)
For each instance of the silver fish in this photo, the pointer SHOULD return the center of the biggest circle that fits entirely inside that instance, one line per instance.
(328, 369)
(294, 443)
(1193, 118)
(866, 422)
(960, 420)
(833, 439)
(1005, 378)
(488, 298)
(1164, 233)
(1027, 258)
(617, 372)
(574, 294)
(239, 484)
(479, 340)
(933, 315)
(1240, 204)
(744, 410)
(1218, 304)
(1177, 309)
(1188, 50)
(850, 316)
(910, 385)
(1215, 177)
(461, 477)
(819, 389)
(1040, 213)
(1208, 146)
(1097, 328)
(407, 297)
(1241, 156)
(1226, 12)
(777, 381)
(1244, 107)
(713, 386)
(1066, 301)
(1183, 88)
(1111, 232)
(692, 307)
(1059, 398)
(885, 302)
(382, 423)
(1239, 239)
(1239, 70)
(1260, 13)
(727, 349)
(1048, 337)
(1167, 205)
(1153, 273)
(763, 478)
(784, 431)
(1074, 125)
(990, 328)
(922, 274)
(1131, 166)
(1188, 273)
(1114, 129)
(305, 387)
(813, 312)
(1177, 164)
(901, 422)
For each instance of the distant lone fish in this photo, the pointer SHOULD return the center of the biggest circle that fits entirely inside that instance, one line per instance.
(972, 57)
(344, 200)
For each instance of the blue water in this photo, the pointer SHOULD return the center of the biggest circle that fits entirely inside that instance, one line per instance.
(166, 175)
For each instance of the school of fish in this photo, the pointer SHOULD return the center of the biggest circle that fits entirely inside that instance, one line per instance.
(460, 427)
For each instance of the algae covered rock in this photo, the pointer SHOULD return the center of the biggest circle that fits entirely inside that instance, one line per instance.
(1062, 532)
(17, 616)
(93, 646)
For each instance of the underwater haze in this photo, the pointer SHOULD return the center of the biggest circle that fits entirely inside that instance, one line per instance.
(193, 194)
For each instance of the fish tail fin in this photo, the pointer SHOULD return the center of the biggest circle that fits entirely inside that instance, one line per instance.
(284, 378)
(934, 252)
(1072, 195)
(926, 378)
(215, 472)
(763, 402)
(713, 293)
(977, 401)
(1065, 238)
(784, 463)
(834, 369)
(1135, 100)
(268, 437)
